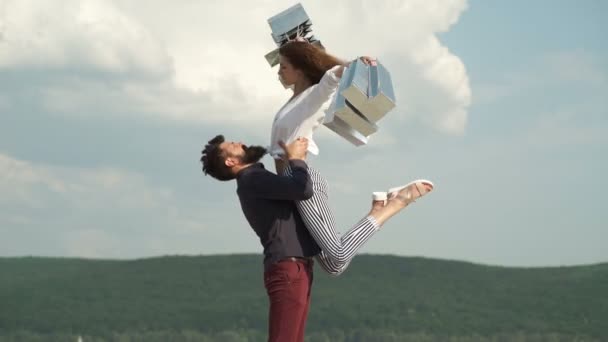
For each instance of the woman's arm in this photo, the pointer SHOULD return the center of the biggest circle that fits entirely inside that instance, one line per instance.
(326, 87)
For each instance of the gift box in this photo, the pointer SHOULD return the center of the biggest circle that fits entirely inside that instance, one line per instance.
(381, 96)
(369, 89)
(288, 21)
(288, 25)
(354, 85)
(348, 114)
(346, 132)
(364, 96)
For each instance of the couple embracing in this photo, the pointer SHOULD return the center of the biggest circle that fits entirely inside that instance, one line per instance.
(289, 210)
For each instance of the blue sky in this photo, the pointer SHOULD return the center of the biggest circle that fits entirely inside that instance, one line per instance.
(104, 107)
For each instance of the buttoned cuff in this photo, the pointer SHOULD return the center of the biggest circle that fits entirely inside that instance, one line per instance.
(331, 73)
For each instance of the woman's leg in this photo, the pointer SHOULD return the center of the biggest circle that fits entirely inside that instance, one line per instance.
(329, 266)
(338, 251)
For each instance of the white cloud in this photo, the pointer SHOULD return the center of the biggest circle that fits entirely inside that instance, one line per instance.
(76, 35)
(431, 83)
(185, 63)
(189, 62)
(211, 55)
(92, 212)
(82, 188)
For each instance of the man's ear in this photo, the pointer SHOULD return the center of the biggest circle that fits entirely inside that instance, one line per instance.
(230, 162)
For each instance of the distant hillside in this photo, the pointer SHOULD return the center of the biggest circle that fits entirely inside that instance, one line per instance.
(383, 298)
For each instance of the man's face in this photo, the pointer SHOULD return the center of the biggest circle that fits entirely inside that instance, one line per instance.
(238, 153)
(233, 149)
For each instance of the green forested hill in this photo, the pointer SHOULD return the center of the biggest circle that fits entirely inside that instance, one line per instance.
(222, 298)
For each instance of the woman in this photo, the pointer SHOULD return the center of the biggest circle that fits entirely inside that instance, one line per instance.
(314, 76)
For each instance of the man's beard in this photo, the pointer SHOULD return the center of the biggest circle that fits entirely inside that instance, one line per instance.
(253, 154)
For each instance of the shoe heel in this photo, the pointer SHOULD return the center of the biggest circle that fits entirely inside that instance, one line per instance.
(379, 196)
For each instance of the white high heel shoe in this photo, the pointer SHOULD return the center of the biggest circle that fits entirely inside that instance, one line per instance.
(393, 192)
(419, 185)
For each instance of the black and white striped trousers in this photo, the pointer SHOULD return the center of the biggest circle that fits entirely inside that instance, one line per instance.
(337, 252)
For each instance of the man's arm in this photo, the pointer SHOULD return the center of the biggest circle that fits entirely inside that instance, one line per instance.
(297, 187)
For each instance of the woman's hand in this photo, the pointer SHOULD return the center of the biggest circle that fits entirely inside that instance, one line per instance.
(365, 59)
(340, 71)
(368, 60)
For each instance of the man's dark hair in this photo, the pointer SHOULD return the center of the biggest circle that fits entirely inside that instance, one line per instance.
(213, 160)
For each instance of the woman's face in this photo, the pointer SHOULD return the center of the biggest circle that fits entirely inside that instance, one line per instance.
(287, 73)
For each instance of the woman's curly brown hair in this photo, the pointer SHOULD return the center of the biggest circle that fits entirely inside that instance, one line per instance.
(310, 59)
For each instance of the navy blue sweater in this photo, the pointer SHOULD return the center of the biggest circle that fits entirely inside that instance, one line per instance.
(267, 201)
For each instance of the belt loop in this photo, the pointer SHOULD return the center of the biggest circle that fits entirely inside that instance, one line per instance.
(305, 260)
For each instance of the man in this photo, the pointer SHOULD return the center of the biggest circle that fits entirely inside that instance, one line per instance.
(267, 200)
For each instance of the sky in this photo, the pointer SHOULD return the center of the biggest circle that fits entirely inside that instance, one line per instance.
(105, 106)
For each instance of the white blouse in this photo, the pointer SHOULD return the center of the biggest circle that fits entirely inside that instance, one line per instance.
(301, 115)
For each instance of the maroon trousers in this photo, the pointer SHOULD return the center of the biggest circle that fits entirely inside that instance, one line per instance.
(288, 284)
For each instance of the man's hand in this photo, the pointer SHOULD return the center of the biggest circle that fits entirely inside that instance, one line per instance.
(295, 150)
